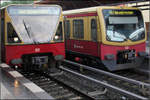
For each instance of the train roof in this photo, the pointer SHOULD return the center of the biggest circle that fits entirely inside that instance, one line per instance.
(94, 9)
(2, 8)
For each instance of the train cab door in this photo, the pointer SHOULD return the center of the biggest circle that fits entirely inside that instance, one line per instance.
(93, 36)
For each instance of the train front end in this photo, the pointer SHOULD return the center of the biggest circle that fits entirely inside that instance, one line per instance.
(123, 43)
(33, 36)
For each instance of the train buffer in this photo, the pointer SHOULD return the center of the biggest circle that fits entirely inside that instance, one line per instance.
(15, 86)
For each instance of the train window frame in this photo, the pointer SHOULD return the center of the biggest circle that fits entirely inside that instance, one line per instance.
(14, 35)
(117, 14)
(67, 29)
(93, 35)
(56, 36)
(78, 28)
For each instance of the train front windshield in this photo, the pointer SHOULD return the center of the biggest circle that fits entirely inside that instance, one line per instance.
(35, 24)
(122, 25)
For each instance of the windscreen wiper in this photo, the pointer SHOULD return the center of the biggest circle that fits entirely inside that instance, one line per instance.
(137, 32)
(28, 32)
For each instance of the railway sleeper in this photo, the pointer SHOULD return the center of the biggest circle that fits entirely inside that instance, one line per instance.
(38, 81)
(45, 83)
(98, 92)
(61, 94)
(56, 74)
(55, 89)
(76, 98)
(65, 96)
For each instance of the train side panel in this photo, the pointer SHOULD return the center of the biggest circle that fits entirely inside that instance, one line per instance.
(84, 47)
(93, 42)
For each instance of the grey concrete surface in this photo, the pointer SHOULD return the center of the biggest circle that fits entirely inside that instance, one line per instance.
(12, 89)
(15, 86)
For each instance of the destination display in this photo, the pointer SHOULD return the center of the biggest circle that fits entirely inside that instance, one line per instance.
(40, 10)
(113, 12)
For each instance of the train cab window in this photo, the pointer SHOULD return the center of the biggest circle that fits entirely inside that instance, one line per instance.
(67, 28)
(78, 29)
(93, 30)
(12, 35)
(59, 33)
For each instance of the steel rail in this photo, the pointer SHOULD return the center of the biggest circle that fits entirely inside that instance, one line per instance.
(110, 74)
(121, 91)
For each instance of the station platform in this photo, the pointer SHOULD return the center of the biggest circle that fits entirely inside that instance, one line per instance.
(14, 86)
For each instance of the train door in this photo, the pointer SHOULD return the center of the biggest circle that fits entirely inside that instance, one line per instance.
(67, 33)
(93, 35)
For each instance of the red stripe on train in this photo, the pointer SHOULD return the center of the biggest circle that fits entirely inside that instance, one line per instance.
(16, 51)
(81, 15)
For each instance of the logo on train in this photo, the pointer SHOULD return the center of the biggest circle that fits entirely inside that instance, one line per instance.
(126, 47)
(77, 46)
(37, 49)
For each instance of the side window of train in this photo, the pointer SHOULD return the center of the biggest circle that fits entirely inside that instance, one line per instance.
(78, 29)
(67, 28)
(12, 36)
(59, 33)
(93, 30)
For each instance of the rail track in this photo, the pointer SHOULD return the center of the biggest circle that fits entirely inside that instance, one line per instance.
(55, 88)
(123, 82)
(66, 86)
(90, 83)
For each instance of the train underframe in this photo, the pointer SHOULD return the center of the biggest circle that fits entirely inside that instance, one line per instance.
(110, 64)
(41, 61)
(37, 61)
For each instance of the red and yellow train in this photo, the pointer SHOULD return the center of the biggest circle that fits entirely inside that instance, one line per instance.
(32, 35)
(111, 36)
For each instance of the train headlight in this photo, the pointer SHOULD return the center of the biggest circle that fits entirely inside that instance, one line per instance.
(16, 39)
(109, 57)
(59, 57)
(56, 37)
